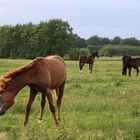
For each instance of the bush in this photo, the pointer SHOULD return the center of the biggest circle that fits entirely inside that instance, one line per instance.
(119, 50)
(74, 53)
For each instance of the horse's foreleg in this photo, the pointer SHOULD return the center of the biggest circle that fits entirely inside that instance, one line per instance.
(91, 67)
(29, 104)
(43, 101)
(137, 71)
(81, 66)
(129, 72)
(51, 105)
(59, 100)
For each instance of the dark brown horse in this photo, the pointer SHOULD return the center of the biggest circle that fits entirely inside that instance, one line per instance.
(88, 60)
(42, 75)
(131, 63)
(125, 59)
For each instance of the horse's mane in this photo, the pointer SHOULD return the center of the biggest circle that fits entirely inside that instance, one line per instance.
(125, 58)
(6, 78)
(93, 54)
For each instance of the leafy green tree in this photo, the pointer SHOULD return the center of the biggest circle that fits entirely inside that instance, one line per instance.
(105, 41)
(119, 50)
(94, 48)
(74, 53)
(5, 41)
(116, 40)
(80, 42)
(94, 40)
(130, 41)
(29, 41)
(59, 37)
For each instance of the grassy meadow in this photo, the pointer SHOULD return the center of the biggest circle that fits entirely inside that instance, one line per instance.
(98, 106)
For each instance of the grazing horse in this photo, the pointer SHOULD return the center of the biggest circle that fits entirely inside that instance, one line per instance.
(88, 60)
(131, 63)
(125, 59)
(42, 75)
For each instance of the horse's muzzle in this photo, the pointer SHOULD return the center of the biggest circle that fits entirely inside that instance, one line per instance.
(2, 113)
(2, 110)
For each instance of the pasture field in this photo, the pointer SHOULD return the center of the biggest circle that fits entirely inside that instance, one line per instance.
(103, 105)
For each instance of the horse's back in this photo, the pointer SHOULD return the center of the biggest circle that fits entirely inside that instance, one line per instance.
(133, 62)
(52, 69)
(86, 59)
(83, 57)
(51, 60)
(137, 61)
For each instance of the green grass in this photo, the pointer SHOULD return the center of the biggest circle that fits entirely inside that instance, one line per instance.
(98, 106)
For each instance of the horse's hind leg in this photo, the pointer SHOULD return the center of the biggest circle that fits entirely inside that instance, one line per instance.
(43, 101)
(59, 99)
(29, 104)
(51, 105)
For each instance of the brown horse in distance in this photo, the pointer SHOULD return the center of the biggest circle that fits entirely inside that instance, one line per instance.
(125, 59)
(131, 63)
(88, 60)
(42, 75)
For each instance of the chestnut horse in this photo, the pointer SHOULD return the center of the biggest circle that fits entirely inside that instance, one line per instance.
(42, 75)
(88, 60)
(131, 63)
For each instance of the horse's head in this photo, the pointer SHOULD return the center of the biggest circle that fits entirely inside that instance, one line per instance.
(6, 96)
(124, 71)
(6, 101)
(96, 54)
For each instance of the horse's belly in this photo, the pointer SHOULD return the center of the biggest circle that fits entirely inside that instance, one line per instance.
(57, 79)
(57, 83)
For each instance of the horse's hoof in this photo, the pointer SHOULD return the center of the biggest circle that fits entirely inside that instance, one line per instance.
(81, 71)
(40, 121)
(59, 120)
(25, 124)
(57, 124)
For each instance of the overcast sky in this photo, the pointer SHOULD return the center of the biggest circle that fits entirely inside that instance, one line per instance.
(105, 18)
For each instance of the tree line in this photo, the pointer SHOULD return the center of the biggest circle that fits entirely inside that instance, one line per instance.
(56, 37)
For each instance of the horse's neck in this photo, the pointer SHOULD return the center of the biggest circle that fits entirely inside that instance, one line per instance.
(20, 81)
(125, 67)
